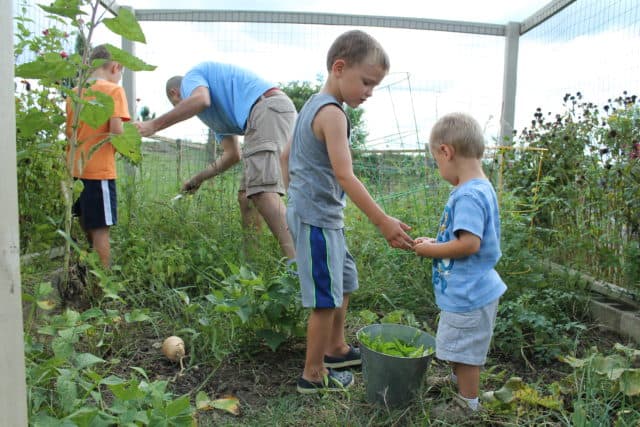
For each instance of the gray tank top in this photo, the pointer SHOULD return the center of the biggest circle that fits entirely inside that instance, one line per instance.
(314, 192)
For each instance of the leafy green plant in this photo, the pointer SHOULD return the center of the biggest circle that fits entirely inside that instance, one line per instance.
(604, 389)
(69, 381)
(587, 196)
(54, 70)
(395, 347)
(270, 309)
(538, 323)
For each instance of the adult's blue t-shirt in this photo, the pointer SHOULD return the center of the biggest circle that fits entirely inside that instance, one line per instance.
(468, 283)
(233, 90)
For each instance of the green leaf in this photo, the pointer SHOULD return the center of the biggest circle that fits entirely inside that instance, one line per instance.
(368, 316)
(136, 315)
(630, 382)
(48, 66)
(62, 347)
(67, 391)
(127, 60)
(46, 304)
(125, 25)
(31, 123)
(272, 338)
(124, 392)
(66, 8)
(128, 143)
(97, 109)
(506, 394)
(83, 416)
(91, 313)
(229, 404)
(178, 406)
(84, 360)
(112, 380)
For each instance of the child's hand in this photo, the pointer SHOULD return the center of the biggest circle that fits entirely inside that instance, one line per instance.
(422, 246)
(394, 231)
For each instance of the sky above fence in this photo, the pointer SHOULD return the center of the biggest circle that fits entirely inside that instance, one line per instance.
(432, 72)
(486, 11)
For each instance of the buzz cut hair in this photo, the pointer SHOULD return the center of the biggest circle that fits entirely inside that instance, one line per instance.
(356, 47)
(173, 83)
(462, 132)
(101, 53)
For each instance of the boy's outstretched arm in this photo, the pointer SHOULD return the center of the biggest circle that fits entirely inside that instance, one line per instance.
(330, 125)
(463, 245)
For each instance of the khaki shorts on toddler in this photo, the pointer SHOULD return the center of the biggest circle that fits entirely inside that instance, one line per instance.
(465, 337)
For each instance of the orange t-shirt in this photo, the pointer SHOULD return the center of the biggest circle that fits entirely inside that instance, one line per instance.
(102, 162)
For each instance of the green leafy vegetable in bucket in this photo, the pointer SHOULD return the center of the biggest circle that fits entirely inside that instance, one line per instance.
(395, 347)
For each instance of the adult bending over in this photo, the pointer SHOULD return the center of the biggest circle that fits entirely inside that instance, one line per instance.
(234, 101)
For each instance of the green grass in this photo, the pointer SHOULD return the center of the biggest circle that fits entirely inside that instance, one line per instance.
(183, 263)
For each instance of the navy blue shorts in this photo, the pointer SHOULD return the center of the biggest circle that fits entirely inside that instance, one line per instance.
(97, 205)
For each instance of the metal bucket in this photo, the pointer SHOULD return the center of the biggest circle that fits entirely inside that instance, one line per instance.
(393, 380)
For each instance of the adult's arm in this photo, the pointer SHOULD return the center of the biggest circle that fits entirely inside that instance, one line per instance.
(185, 109)
(230, 156)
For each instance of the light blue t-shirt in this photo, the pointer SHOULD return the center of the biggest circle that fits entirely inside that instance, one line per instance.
(468, 283)
(233, 91)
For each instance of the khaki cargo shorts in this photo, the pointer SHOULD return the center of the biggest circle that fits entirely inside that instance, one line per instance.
(269, 128)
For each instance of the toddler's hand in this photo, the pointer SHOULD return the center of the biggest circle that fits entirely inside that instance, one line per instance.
(422, 246)
(420, 240)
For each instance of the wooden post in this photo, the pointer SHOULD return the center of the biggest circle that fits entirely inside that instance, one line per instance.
(13, 394)
(179, 161)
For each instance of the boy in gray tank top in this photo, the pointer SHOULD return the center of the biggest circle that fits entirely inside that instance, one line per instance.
(318, 165)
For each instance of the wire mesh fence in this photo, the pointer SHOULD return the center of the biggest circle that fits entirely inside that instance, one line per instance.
(590, 46)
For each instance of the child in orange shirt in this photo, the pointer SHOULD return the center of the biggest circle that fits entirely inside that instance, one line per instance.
(97, 205)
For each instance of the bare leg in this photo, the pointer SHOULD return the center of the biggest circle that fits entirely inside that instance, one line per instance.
(337, 345)
(318, 335)
(272, 209)
(250, 216)
(251, 225)
(468, 380)
(99, 239)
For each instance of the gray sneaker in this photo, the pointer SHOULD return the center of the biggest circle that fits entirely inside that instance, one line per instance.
(333, 381)
(352, 358)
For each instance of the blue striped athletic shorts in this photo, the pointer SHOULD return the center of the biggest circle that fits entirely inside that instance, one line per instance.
(326, 269)
(97, 206)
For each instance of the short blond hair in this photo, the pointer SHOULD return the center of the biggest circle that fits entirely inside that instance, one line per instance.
(462, 132)
(355, 47)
